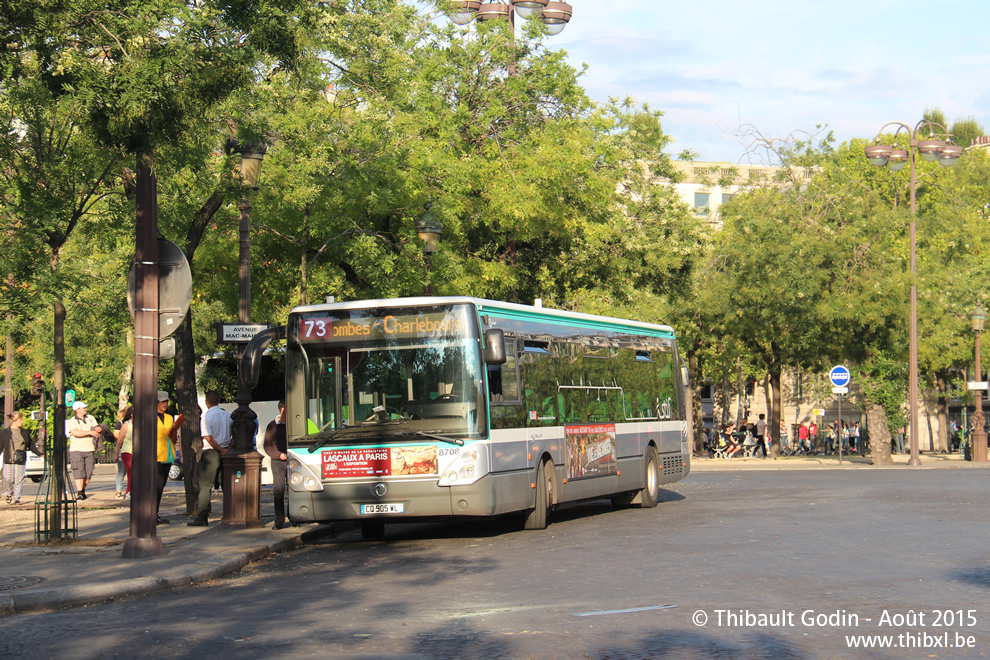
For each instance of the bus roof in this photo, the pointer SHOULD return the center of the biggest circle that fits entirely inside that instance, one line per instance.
(501, 309)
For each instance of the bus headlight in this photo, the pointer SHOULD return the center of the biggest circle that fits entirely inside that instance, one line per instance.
(469, 466)
(302, 477)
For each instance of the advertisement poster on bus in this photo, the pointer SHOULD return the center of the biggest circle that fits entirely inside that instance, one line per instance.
(591, 450)
(379, 461)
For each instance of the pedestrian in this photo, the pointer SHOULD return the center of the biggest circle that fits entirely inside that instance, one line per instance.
(761, 433)
(813, 435)
(277, 448)
(899, 441)
(14, 443)
(123, 449)
(215, 429)
(733, 445)
(803, 438)
(167, 452)
(854, 435)
(84, 442)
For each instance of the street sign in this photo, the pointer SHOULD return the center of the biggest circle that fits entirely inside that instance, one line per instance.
(839, 376)
(70, 397)
(817, 412)
(977, 385)
(174, 287)
(38, 415)
(840, 390)
(239, 333)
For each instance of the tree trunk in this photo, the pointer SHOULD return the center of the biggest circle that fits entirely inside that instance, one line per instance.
(303, 265)
(58, 441)
(876, 424)
(942, 406)
(726, 396)
(187, 392)
(773, 427)
(740, 393)
(187, 399)
(124, 395)
(693, 402)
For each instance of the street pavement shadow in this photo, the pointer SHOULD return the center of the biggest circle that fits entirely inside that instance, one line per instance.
(978, 575)
(489, 527)
(679, 644)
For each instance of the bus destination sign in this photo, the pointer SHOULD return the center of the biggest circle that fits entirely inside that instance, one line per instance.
(393, 326)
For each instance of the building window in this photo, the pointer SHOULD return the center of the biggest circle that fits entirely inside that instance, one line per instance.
(796, 386)
(727, 197)
(702, 203)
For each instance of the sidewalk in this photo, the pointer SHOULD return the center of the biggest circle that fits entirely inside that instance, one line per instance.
(849, 462)
(91, 570)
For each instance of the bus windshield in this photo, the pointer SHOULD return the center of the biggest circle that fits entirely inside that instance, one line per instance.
(398, 373)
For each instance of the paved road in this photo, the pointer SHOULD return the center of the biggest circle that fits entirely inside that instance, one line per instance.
(797, 561)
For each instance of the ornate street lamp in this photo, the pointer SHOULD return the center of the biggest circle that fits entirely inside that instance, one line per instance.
(242, 463)
(555, 15)
(931, 148)
(428, 228)
(978, 451)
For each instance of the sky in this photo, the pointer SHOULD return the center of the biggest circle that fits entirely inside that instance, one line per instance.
(713, 66)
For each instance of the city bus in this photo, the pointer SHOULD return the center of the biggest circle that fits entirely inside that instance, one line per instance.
(416, 409)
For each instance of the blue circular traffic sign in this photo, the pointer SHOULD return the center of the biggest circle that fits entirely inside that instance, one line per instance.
(839, 376)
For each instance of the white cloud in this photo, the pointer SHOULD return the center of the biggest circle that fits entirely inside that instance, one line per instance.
(782, 66)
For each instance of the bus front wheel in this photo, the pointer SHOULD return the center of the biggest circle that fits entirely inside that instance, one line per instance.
(536, 518)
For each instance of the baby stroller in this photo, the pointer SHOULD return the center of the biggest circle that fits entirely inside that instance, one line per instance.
(750, 446)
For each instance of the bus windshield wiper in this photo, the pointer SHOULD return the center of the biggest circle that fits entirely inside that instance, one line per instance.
(453, 441)
(333, 436)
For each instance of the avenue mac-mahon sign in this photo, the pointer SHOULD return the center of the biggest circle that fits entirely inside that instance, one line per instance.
(239, 333)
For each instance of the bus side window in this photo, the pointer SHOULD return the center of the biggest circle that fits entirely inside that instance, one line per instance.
(536, 367)
(637, 371)
(503, 379)
(667, 382)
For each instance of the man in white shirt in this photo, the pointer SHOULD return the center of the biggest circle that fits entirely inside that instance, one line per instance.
(84, 441)
(761, 434)
(215, 429)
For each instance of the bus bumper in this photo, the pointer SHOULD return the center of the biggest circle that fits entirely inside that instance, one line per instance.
(417, 499)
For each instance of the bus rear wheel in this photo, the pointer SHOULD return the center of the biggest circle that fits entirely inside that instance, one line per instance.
(647, 497)
(372, 529)
(536, 518)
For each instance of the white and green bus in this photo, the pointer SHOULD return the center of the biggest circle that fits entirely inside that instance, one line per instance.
(424, 408)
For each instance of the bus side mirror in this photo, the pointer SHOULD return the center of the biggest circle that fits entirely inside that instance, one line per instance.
(494, 346)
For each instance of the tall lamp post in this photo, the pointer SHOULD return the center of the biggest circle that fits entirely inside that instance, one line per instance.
(251, 154)
(895, 158)
(242, 463)
(978, 452)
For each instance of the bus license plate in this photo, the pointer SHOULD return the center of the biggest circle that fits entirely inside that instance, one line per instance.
(382, 508)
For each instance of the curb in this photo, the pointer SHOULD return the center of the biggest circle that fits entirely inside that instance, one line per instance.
(204, 570)
(768, 465)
